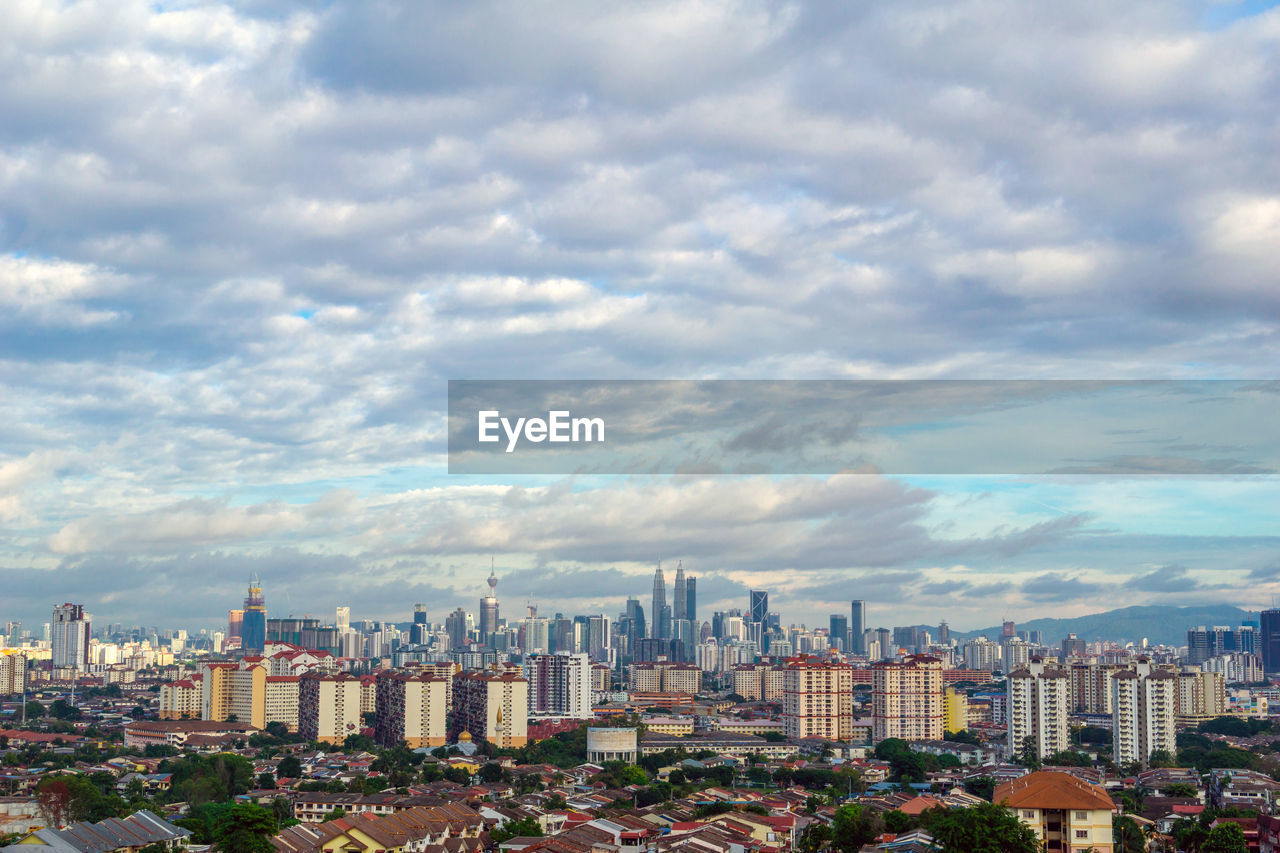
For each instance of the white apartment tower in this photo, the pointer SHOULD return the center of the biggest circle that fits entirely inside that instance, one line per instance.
(1144, 713)
(1039, 702)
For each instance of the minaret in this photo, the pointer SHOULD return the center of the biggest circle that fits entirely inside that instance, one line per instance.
(659, 602)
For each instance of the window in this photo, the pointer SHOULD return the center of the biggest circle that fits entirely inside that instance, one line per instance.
(1082, 815)
(1028, 813)
(1082, 833)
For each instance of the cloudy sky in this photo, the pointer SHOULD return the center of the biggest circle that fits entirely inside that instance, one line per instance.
(244, 246)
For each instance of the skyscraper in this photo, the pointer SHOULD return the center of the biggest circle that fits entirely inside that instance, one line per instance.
(1270, 640)
(235, 625)
(691, 599)
(759, 609)
(839, 631)
(679, 602)
(253, 630)
(857, 627)
(71, 630)
(1144, 707)
(455, 625)
(659, 605)
(1039, 702)
(489, 609)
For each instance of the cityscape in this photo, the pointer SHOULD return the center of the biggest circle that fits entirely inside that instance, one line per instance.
(654, 426)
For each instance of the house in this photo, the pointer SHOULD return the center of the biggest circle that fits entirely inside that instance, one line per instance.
(1068, 815)
(115, 835)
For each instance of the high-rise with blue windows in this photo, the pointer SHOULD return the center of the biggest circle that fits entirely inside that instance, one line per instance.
(253, 626)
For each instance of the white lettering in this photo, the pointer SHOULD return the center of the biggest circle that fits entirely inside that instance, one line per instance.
(535, 430)
(486, 424)
(559, 423)
(513, 435)
(587, 424)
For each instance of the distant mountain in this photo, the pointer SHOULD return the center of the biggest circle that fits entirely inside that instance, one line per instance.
(1158, 623)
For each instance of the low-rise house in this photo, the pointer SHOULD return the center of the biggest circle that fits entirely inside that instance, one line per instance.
(116, 835)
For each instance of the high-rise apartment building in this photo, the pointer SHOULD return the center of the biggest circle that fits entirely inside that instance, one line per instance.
(955, 707)
(665, 677)
(234, 689)
(491, 706)
(1144, 714)
(559, 685)
(281, 702)
(857, 627)
(410, 710)
(71, 632)
(1204, 643)
(759, 681)
(328, 706)
(1202, 695)
(817, 699)
(253, 629)
(981, 653)
(13, 672)
(181, 700)
(1039, 703)
(455, 625)
(906, 699)
(1091, 686)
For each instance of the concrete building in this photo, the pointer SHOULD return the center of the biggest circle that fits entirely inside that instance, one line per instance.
(282, 700)
(1144, 713)
(560, 685)
(1067, 814)
(411, 710)
(13, 672)
(1202, 695)
(491, 706)
(234, 690)
(612, 744)
(181, 700)
(1038, 707)
(906, 699)
(981, 653)
(955, 705)
(758, 681)
(72, 629)
(665, 677)
(817, 699)
(328, 706)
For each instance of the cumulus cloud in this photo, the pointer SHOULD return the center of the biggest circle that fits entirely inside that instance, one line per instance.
(242, 247)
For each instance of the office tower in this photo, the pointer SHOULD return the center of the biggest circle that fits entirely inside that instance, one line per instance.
(491, 706)
(691, 599)
(906, 699)
(1205, 643)
(234, 689)
(1144, 709)
(235, 627)
(455, 626)
(679, 601)
(758, 612)
(839, 631)
(253, 631)
(489, 609)
(1009, 629)
(944, 634)
(1038, 706)
(598, 645)
(659, 606)
(342, 617)
(410, 710)
(1269, 640)
(13, 672)
(535, 633)
(857, 627)
(817, 700)
(71, 633)
(559, 685)
(1073, 646)
(419, 629)
(635, 622)
(328, 706)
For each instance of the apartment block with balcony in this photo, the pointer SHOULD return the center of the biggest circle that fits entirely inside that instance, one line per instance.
(906, 699)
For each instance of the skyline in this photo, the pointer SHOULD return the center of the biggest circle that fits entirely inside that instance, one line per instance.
(243, 249)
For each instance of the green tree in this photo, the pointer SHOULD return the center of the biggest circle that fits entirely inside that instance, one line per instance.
(981, 786)
(1225, 838)
(1127, 835)
(524, 828)
(854, 826)
(289, 767)
(985, 828)
(490, 772)
(34, 710)
(245, 828)
(1179, 789)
